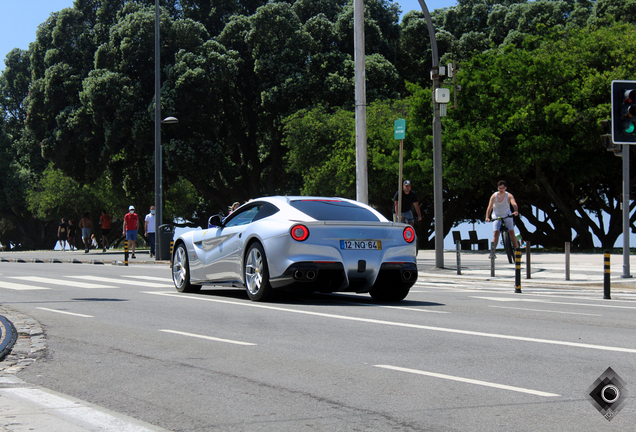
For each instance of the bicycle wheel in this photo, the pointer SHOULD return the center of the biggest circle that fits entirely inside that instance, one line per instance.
(505, 238)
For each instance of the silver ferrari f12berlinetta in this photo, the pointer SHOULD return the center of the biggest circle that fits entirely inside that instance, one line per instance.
(299, 243)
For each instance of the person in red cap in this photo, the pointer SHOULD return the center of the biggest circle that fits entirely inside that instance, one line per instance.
(131, 224)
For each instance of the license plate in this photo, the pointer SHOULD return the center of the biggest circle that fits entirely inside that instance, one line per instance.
(361, 244)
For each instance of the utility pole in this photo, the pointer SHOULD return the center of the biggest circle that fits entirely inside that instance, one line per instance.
(362, 183)
(438, 196)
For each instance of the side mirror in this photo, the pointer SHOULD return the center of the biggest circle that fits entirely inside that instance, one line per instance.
(214, 221)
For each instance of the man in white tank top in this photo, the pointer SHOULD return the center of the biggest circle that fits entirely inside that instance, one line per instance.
(499, 206)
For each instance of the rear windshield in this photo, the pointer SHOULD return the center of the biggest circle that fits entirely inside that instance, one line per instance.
(334, 210)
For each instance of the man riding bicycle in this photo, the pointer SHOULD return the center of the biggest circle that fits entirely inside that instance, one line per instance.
(408, 199)
(499, 207)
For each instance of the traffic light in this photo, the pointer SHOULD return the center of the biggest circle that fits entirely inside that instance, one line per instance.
(623, 112)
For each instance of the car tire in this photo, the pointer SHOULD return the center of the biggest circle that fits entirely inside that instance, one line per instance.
(384, 293)
(181, 271)
(256, 274)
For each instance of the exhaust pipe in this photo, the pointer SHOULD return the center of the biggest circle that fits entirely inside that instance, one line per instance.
(298, 275)
(311, 275)
(406, 275)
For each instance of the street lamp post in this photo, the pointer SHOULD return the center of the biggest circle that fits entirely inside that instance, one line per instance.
(158, 203)
(158, 121)
(438, 196)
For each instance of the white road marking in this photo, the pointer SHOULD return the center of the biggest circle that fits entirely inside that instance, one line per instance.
(60, 282)
(150, 278)
(507, 299)
(470, 381)
(399, 324)
(19, 287)
(542, 310)
(207, 337)
(65, 313)
(76, 412)
(123, 281)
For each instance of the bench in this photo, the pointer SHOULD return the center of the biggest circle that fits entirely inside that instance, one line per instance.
(482, 244)
(464, 244)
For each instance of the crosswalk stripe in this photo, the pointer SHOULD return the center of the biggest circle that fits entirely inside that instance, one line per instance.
(150, 278)
(61, 282)
(19, 287)
(123, 281)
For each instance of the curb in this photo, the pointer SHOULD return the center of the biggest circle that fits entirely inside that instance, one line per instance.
(29, 345)
(79, 261)
(8, 336)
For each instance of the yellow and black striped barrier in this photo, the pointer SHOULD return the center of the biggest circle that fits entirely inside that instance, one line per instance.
(170, 257)
(606, 281)
(517, 270)
(125, 252)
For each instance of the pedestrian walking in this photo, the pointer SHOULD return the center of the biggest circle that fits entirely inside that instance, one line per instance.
(72, 234)
(149, 225)
(105, 221)
(62, 233)
(409, 199)
(86, 225)
(131, 224)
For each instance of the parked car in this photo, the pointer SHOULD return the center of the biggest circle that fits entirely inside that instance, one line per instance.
(299, 243)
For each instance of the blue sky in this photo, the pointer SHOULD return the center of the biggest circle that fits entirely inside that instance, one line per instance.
(20, 19)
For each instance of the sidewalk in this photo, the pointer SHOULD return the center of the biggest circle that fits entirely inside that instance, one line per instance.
(546, 268)
(94, 256)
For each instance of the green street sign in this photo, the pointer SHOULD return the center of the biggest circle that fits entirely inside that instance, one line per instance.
(399, 129)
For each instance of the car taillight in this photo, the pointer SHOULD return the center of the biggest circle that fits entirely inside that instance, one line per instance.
(299, 232)
(409, 234)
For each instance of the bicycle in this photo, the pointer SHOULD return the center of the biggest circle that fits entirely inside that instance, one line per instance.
(505, 238)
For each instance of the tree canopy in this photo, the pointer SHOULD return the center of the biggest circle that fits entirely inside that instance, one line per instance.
(264, 93)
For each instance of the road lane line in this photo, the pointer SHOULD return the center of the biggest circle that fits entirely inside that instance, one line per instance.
(208, 337)
(61, 282)
(507, 299)
(65, 313)
(399, 324)
(123, 281)
(469, 381)
(19, 287)
(541, 310)
(150, 278)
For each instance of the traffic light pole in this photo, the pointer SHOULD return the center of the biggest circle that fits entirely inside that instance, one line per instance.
(626, 230)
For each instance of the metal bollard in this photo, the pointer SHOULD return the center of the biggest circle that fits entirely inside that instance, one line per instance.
(528, 269)
(517, 270)
(606, 281)
(125, 252)
(492, 259)
(459, 258)
(567, 260)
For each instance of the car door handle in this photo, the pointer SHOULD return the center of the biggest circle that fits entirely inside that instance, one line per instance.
(240, 235)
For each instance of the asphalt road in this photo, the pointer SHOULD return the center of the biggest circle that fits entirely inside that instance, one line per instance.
(454, 356)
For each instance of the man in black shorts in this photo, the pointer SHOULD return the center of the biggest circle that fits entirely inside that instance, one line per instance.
(408, 200)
